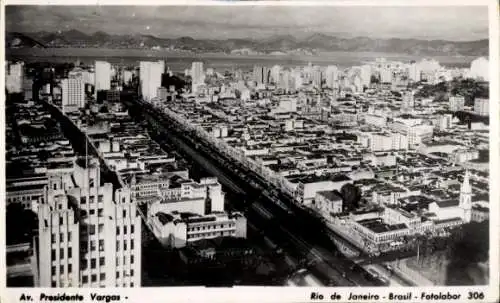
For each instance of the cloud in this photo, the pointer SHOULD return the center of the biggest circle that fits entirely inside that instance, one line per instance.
(451, 22)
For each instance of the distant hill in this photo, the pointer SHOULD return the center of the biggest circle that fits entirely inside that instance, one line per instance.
(282, 43)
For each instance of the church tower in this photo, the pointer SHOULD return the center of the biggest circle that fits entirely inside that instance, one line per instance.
(466, 198)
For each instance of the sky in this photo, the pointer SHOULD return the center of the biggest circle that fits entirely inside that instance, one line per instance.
(455, 23)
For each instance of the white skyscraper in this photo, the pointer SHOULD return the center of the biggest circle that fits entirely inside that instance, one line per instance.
(275, 73)
(102, 75)
(414, 72)
(365, 75)
(73, 94)
(331, 75)
(87, 238)
(150, 77)
(197, 74)
(14, 77)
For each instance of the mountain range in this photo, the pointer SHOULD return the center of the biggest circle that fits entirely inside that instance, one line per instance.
(283, 43)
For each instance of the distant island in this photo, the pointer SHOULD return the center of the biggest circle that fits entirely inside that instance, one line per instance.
(278, 45)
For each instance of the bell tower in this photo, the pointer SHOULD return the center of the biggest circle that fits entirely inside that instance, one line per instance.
(466, 198)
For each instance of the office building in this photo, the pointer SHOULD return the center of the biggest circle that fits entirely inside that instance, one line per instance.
(365, 74)
(317, 77)
(102, 75)
(87, 238)
(261, 74)
(150, 78)
(331, 76)
(414, 72)
(275, 74)
(73, 94)
(14, 77)
(197, 74)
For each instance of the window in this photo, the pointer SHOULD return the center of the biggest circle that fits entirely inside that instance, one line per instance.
(132, 244)
(118, 230)
(92, 263)
(85, 264)
(132, 228)
(100, 212)
(61, 253)
(125, 229)
(93, 278)
(92, 245)
(70, 268)
(61, 269)
(70, 252)
(124, 213)
(101, 261)
(101, 245)
(91, 200)
(132, 259)
(124, 260)
(92, 229)
(85, 279)
(92, 211)
(117, 261)
(54, 284)
(53, 272)
(117, 274)
(124, 245)
(53, 238)
(124, 275)
(83, 200)
(131, 272)
(100, 198)
(102, 276)
(61, 237)
(132, 284)
(101, 228)
(61, 221)
(69, 236)
(117, 245)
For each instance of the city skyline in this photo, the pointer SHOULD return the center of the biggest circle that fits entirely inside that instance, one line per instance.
(458, 23)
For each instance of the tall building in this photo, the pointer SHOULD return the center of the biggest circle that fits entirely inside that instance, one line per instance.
(466, 198)
(127, 76)
(386, 75)
(102, 75)
(87, 238)
(197, 74)
(150, 77)
(456, 103)
(482, 106)
(331, 76)
(275, 73)
(261, 74)
(414, 72)
(317, 77)
(365, 75)
(14, 77)
(73, 94)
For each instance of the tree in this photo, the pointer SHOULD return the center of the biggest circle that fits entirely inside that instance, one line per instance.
(351, 195)
(469, 250)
